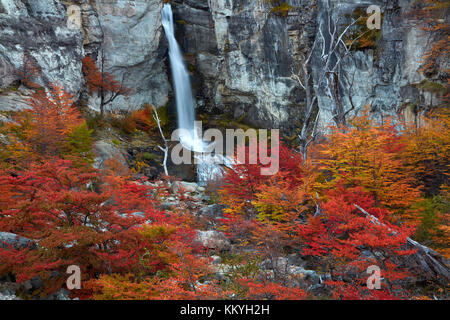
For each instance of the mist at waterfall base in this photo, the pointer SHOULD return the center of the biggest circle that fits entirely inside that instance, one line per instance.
(208, 167)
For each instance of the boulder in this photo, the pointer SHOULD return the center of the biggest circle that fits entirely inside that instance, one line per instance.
(62, 294)
(8, 296)
(216, 260)
(106, 151)
(186, 186)
(17, 242)
(299, 272)
(211, 211)
(213, 240)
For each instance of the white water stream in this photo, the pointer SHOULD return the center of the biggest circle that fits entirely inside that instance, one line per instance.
(208, 168)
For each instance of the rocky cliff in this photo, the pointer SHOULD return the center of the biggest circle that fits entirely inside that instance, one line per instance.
(241, 53)
(387, 74)
(34, 35)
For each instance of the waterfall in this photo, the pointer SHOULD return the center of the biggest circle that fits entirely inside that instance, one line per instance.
(182, 86)
(208, 167)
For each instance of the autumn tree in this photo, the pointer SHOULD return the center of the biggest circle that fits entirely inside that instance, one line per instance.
(426, 156)
(102, 83)
(56, 206)
(251, 196)
(350, 241)
(184, 274)
(367, 154)
(52, 127)
(268, 290)
(427, 146)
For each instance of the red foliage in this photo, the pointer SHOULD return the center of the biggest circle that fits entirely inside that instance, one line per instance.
(265, 290)
(55, 205)
(103, 83)
(245, 186)
(343, 232)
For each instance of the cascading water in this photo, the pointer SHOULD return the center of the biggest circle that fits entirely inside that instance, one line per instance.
(208, 168)
(182, 86)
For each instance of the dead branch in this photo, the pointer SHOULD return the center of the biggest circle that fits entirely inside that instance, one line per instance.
(166, 145)
(427, 262)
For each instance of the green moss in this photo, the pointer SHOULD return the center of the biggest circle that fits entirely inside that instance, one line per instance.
(431, 86)
(282, 10)
(360, 35)
(95, 122)
(115, 142)
(147, 156)
(191, 68)
(181, 22)
(163, 114)
(240, 266)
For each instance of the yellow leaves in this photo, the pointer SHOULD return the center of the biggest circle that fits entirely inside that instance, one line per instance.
(427, 145)
(367, 154)
(274, 201)
(153, 232)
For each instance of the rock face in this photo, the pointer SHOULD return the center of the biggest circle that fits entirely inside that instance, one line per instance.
(241, 54)
(35, 39)
(133, 48)
(48, 35)
(386, 77)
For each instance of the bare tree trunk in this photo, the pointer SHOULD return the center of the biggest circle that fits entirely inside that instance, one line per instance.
(427, 262)
(102, 91)
(166, 145)
(311, 102)
(334, 50)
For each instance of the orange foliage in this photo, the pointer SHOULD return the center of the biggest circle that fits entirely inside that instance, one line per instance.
(103, 83)
(42, 131)
(427, 149)
(368, 155)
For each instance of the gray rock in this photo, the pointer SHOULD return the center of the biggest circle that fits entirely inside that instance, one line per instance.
(213, 240)
(35, 33)
(384, 78)
(211, 211)
(7, 296)
(32, 284)
(242, 56)
(310, 275)
(133, 47)
(280, 263)
(10, 239)
(106, 151)
(216, 260)
(296, 260)
(4, 119)
(62, 294)
(186, 186)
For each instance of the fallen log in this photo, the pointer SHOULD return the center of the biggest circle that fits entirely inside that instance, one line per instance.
(426, 262)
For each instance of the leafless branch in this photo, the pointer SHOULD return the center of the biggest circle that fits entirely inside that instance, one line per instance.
(166, 145)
